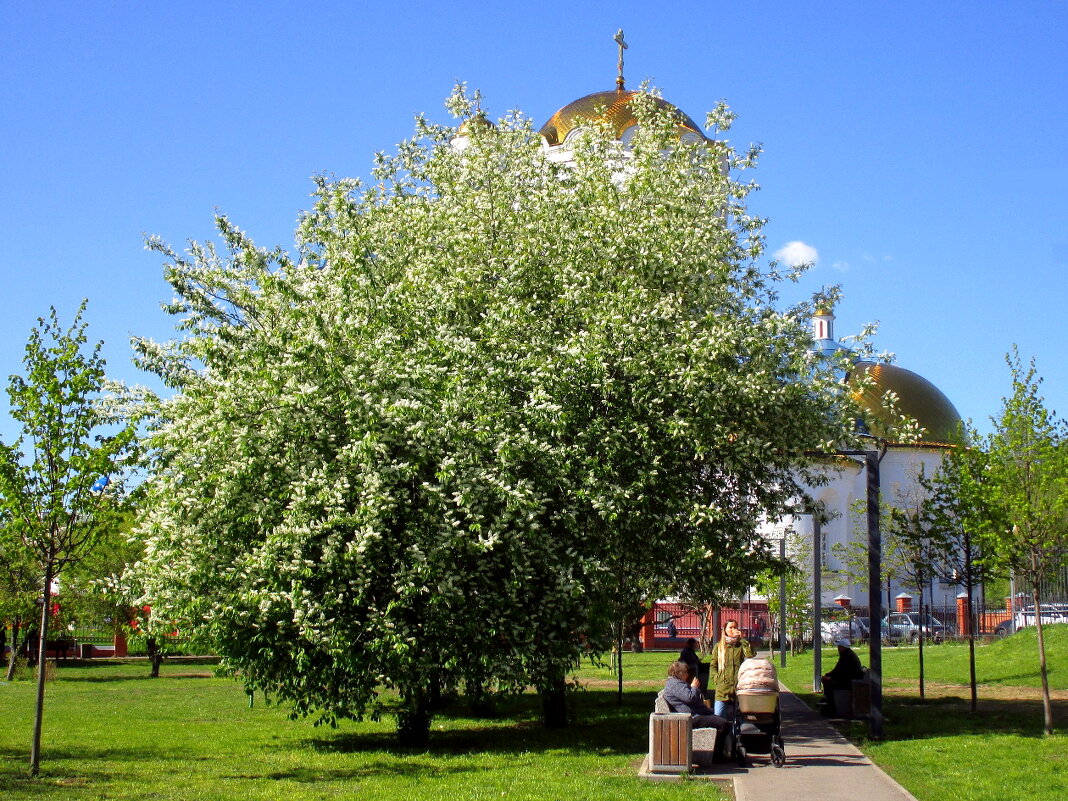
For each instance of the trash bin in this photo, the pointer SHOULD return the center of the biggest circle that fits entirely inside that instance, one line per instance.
(86, 650)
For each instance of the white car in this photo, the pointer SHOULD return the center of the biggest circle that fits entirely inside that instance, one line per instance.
(1051, 613)
(836, 626)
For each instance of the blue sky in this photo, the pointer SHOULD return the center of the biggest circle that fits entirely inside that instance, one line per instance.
(919, 148)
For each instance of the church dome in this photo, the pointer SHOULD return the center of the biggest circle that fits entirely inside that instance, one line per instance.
(612, 107)
(917, 397)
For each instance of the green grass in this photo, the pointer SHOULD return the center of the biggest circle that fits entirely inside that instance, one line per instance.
(1011, 662)
(113, 733)
(940, 750)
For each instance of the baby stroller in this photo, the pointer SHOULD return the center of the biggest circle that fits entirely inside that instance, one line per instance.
(757, 722)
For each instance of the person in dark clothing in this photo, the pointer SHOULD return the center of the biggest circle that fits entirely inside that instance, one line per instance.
(682, 692)
(689, 655)
(841, 676)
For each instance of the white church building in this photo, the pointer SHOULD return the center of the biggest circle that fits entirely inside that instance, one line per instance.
(844, 495)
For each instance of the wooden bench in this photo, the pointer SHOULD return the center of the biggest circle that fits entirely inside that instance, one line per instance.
(861, 706)
(856, 701)
(674, 745)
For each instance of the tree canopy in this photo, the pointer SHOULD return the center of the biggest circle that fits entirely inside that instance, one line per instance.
(492, 400)
(1027, 467)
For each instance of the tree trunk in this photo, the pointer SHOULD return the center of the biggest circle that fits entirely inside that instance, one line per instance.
(922, 619)
(14, 649)
(42, 642)
(413, 721)
(889, 606)
(619, 668)
(971, 628)
(554, 704)
(702, 618)
(479, 698)
(1047, 705)
(155, 656)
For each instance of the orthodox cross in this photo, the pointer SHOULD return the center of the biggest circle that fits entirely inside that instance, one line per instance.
(618, 39)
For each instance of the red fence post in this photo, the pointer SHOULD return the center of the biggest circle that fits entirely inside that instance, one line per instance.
(647, 635)
(964, 614)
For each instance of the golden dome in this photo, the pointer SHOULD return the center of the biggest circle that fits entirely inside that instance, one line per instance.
(917, 397)
(476, 120)
(613, 107)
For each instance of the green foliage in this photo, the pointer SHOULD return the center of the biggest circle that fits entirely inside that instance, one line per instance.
(18, 577)
(71, 440)
(496, 402)
(94, 592)
(1027, 464)
(962, 517)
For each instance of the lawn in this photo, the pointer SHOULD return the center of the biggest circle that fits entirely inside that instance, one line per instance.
(113, 733)
(941, 751)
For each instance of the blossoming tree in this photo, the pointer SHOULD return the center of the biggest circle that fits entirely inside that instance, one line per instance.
(491, 401)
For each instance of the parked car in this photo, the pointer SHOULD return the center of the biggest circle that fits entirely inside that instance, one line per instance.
(1053, 613)
(864, 627)
(836, 622)
(906, 627)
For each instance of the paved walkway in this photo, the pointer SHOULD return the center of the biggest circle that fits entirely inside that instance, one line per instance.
(821, 765)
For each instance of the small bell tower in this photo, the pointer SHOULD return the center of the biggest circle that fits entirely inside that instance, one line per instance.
(823, 323)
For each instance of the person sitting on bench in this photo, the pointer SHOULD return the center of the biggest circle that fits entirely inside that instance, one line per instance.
(682, 692)
(842, 674)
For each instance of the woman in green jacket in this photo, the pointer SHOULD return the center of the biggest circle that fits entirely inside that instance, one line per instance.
(731, 650)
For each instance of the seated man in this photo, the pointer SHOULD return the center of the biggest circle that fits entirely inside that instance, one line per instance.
(842, 674)
(682, 692)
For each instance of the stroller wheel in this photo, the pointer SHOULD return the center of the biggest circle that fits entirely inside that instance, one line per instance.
(778, 755)
(742, 760)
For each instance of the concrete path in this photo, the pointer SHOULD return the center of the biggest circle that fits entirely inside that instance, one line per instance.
(821, 765)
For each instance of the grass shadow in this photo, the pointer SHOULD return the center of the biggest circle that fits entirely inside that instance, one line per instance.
(65, 772)
(408, 768)
(915, 718)
(100, 670)
(601, 726)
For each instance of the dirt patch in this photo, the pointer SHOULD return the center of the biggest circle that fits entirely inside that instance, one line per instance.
(613, 684)
(992, 692)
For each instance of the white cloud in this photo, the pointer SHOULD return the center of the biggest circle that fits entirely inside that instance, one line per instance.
(796, 253)
(868, 257)
(841, 266)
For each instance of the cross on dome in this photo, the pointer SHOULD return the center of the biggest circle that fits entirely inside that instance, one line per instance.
(618, 39)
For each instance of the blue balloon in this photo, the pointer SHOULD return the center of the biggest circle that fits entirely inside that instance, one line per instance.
(100, 483)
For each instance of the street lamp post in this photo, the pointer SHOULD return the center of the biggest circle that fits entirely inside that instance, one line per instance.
(782, 601)
(817, 600)
(875, 613)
